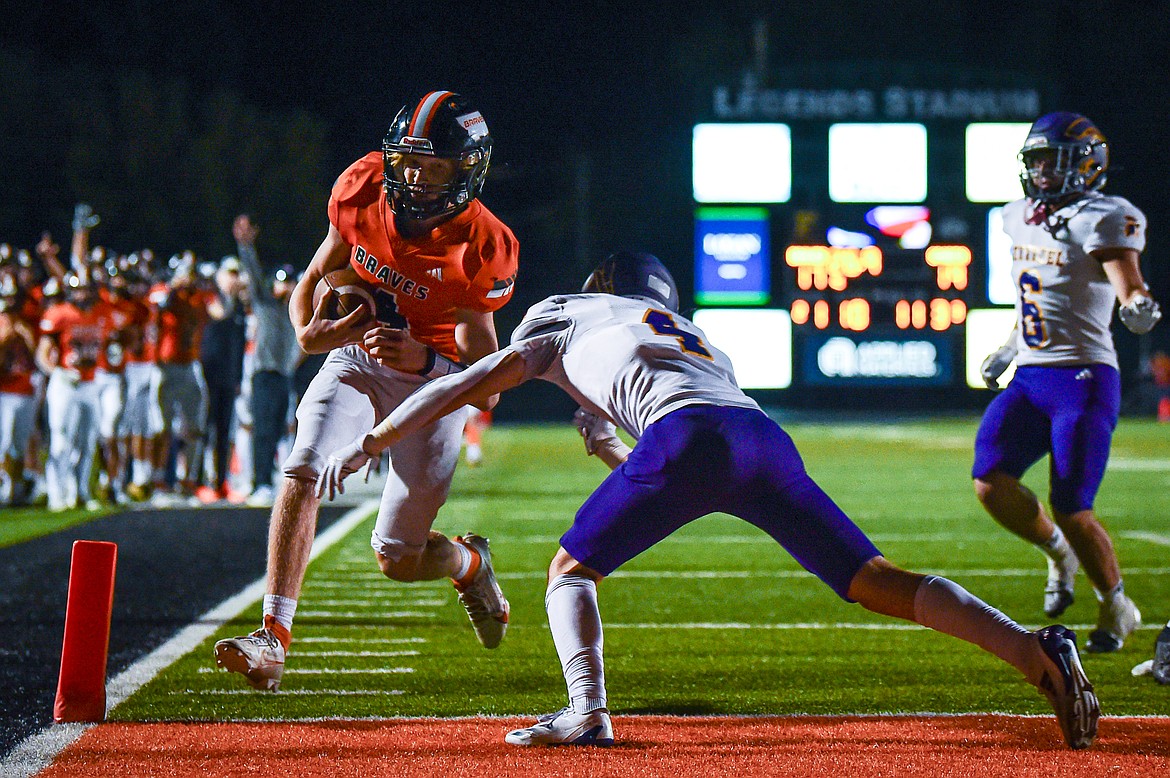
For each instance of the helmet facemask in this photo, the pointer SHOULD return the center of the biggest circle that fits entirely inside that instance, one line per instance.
(1069, 151)
(441, 126)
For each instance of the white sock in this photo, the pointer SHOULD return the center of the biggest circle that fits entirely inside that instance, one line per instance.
(571, 602)
(280, 608)
(945, 606)
(1057, 547)
(140, 472)
(464, 561)
(1116, 591)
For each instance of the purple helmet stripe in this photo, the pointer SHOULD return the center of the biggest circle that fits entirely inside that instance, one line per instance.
(425, 112)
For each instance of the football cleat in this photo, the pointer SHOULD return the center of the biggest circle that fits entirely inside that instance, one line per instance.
(1117, 617)
(566, 728)
(1161, 668)
(1058, 592)
(258, 657)
(1067, 687)
(481, 597)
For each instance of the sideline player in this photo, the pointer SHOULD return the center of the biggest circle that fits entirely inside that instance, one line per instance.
(1074, 251)
(624, 353)
(409, 220)
(74, 332)
(18, 391)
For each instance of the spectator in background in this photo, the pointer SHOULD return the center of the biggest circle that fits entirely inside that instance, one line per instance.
(222, 356)
(184, 310)
(275, 359)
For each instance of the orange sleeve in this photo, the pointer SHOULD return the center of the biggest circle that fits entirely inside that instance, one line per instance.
(356, 188)
(51, 321)
(495, 279)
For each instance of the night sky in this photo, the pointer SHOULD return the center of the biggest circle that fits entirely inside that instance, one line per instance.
(603, 95)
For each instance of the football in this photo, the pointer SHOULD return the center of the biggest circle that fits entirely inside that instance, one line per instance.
(352, 292)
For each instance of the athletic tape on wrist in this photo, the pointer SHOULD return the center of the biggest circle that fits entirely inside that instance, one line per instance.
(438, 365)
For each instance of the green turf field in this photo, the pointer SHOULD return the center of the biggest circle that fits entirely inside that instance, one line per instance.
(715, 620)
(20, 524)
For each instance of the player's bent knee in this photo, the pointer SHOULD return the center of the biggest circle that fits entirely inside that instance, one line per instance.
(564, 563)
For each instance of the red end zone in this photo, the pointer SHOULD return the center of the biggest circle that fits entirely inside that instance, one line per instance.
(979, 745)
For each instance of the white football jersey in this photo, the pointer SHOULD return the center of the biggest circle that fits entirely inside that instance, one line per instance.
(1064, 301)
(624, 358)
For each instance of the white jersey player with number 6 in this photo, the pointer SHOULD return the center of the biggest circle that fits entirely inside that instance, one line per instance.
(1075, 252)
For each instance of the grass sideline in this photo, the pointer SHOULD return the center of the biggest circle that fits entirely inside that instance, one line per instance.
(716, 620)
(20, 524)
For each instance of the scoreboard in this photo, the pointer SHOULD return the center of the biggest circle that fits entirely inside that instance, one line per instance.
(862, 214)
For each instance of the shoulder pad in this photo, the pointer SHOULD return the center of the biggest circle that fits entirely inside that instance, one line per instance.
(361, 183)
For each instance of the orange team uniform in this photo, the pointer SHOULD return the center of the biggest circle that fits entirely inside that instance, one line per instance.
(180, 325)
(466, 262)
(143, 321)
(123, 314)
(17, 365)
(81, 335)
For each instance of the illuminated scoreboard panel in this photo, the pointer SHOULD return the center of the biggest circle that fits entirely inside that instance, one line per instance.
(870, 223)
(856, 288)
(872, 315)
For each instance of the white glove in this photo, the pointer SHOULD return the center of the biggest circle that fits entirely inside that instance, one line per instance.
(1140, 314)
(340, 464)
(596, 431)
(995, 365)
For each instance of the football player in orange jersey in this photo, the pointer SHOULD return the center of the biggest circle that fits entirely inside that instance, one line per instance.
(184, 308)
(73, 334)
(408, 220)
(18, 390)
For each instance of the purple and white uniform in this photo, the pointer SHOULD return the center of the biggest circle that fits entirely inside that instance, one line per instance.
(703, 445)
(1065, 398)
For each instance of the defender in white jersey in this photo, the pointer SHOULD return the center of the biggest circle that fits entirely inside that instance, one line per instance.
(626, 355)
(1075, 252)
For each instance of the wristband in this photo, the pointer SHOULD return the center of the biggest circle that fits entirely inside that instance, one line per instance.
(438, 365)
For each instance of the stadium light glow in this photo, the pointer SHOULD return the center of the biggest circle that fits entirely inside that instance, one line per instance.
(757, 340)
(987, 330)
(877, 163)
(1001, 289)
(992, 169)
(742, 163)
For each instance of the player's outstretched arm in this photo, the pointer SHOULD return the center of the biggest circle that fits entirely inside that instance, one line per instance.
(491, 375)
(1139, 312)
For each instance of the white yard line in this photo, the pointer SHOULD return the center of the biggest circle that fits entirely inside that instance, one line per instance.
(1149, 537)
(371, 603)
(827, 625)
(295, 692)
(357, 639)
(302, 654)
(291, 671)
(676, 575)
(332, 614)
(37, 751)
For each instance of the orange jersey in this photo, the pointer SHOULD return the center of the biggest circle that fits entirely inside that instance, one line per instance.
(140, 332)
(124, 315)
(468, 262)
(180, 323)
(81, 335)
(17, 364)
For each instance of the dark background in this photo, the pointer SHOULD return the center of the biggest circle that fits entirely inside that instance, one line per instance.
(171, 117)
